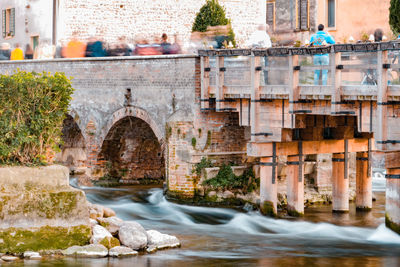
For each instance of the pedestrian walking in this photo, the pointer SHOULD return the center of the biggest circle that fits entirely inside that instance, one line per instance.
(28, 52)
(5, 51)
(17, 53)
(318, 39)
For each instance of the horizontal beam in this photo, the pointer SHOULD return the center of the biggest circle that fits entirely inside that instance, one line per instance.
(392, 160)
(309, 147)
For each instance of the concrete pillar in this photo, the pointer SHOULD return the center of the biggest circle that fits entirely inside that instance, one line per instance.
(393, 199)
(340, 184)
(268, 186)
(363, 182)
(295, 186)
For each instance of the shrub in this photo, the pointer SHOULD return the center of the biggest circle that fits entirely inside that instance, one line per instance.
(394, 16)
(227, 180)
(212, 14)
(32, 109)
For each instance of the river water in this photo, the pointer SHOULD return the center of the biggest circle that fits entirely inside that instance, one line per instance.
(228, 237)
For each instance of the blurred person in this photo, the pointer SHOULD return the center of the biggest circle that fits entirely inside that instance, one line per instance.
(121, 48)
(45, 50)
(195, 43)
(5, 51)
(317, 39)
(259, 38)
(95, 48)
(17, 53)
(378, 35)
(74, 48)
(165, 45)
(175, 47)
(28, 52)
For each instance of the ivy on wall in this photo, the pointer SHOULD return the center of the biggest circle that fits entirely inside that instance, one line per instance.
(32, 109)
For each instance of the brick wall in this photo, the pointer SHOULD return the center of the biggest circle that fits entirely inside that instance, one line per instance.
(111, 19)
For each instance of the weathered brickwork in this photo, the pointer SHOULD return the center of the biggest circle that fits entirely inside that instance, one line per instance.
(111, 19)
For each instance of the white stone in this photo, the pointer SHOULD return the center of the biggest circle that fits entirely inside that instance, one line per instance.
(108, 212)
(112, 224)
(89, 251)
(160, 241)
(93, 222)
(121, 251)
(9, 258)
(32, 255)
(133, 235)
(99, 233)
(228, 194)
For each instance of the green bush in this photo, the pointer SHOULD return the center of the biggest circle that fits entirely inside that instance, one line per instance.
(394, 16)
(32, 109)
(227, 180)
(212, 14)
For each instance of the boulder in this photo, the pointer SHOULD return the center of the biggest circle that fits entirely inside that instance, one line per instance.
(96, 211)
(228, 194)
(121, 251)
(89, 251)
(161, 241)
(108, 212)
(93, 222)
(32, 255)
(99, 233)
(109, 242)
(9, 258)
(112, 224)
(133, 235)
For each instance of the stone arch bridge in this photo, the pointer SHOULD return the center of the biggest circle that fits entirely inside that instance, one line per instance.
(157, 116)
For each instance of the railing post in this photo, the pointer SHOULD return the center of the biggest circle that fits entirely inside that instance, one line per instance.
(294, 90)
(219, 83)
(205, 82)
(255, 95)
(336, 78)
(382, 100)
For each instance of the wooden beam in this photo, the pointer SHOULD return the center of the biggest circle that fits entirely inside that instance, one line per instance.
(392, 160)
(219, 83)
(309, 147)
(205, 81)
(382, 99)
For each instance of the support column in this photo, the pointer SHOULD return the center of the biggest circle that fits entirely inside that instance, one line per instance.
(268, 186)
(392, 216)
(340, 183)
(363, 182)
(295, 186)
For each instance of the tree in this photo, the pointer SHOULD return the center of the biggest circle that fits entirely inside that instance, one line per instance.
(394, 15)
(212, 14)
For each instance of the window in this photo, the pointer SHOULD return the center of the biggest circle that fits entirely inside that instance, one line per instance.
(8, 22)
(331, 13)
(271, 15)
(302, 9)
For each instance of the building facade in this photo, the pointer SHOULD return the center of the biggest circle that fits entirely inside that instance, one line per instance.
(25, 21)
(292, 20)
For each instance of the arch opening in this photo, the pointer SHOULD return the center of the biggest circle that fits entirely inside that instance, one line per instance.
(73, 154)
(132, 154)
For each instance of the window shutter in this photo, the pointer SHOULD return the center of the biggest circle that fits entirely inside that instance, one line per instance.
(271, 15)
(303, 14)
(12, 22)
(3, 23)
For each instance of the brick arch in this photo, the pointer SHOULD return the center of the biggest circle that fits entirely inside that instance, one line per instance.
(132, 112)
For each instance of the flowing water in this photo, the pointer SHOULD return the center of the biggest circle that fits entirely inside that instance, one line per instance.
(228, 237)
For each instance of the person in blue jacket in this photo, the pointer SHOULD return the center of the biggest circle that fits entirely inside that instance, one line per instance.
(321, 38)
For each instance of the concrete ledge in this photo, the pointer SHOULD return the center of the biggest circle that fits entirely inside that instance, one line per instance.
(53, 176)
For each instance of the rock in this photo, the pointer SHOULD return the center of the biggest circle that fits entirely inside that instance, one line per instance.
(112, 224)
(228, 194)
(133, 235)
(89, 251)
(121, 251)
(9, 258)
(96, 211)
(32, 255)
(212, 194)
(99, 233)
(110, 242)
(108, 212)
(160, 241)
(93, 222)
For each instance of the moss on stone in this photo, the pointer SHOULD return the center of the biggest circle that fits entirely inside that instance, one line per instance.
(294, 213)
(392, 225)
(18, 240)
(110, 242)
(267, 208)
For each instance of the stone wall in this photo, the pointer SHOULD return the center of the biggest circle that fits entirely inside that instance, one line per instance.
(110, 19)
